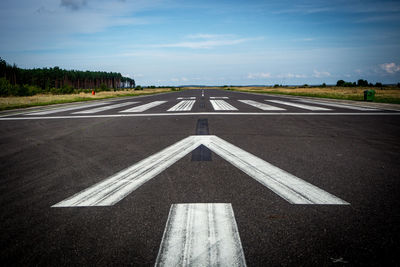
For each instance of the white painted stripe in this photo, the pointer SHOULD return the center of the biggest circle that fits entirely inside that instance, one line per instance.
(113, 189)
(185, 105)
(221, 105)
(69, 108)
(100, 109)
(337, 105)
(286, 185)
(144, 107)
(219, 97)
(202, 114)
(260, 105)
(186, 98)
(297, 105)
(201, 235)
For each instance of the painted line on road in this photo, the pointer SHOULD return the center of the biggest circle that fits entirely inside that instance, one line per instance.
(184, 105)
(222, 105)
(338, 105)
(144, 107)
(204, 113)
(201, 234)
(100, 109)
(259, 105)
(115, 188)
(286, 185)
(297, 105)
(219, 97)
(51, 111)
(186, 98)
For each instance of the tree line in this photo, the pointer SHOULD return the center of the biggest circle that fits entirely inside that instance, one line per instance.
(360, 82)
(19, 82)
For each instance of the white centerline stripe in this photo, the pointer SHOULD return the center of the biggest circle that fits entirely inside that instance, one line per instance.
(219, 97)
(203, 234)
(204, 113)
(297, 105)
(113, 189)
(75, 107)
(185, 105)
(187, 98)
(260, 105)
(144, 107)
(338, 105)
(221, 105)
(100, 109)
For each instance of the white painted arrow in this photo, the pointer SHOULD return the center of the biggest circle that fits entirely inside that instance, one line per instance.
(115, 188)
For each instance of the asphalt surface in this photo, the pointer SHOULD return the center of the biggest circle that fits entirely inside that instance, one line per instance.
(352, 154)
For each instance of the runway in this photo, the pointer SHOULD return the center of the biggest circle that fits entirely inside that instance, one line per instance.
(274, 181)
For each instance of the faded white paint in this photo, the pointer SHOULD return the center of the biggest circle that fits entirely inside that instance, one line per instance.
(297, 105)
(69, 108)
(219, 97)
(221, 105)
(259, 105)
(144, 107)
(186, 98)
(337, 105)
(203, 234)
(204, 113)
(100, 109)
(113, 189)
(184, 105)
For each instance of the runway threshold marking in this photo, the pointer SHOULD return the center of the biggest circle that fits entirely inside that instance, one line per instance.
(219, 97)
(338, 105)
(259, 105)
(56, 110)
(186, 98)
(297, 105)
(115, 188)
(166, 114)
(100, 109)
(222, 105)
(201, 234)
(144, 107)
(184, 105)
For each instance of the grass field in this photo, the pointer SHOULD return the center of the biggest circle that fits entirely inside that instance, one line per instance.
(385, 95)
(14, 102)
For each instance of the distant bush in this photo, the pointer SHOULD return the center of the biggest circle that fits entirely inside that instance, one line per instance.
(104, 87)
(5, 87)
(138, 87)
(323, 85)
(276, 85)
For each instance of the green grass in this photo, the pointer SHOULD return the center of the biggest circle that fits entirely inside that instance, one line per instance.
(9, 106)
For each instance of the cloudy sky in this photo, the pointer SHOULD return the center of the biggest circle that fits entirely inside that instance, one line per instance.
(208, 42)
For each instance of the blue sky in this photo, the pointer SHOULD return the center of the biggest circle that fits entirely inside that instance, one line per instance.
(208, 42)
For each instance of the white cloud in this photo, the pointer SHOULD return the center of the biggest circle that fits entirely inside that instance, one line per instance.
(209, 36)
(321, 74)
(390, 67)
(259, 75)
(204, 44)
(291, 75)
